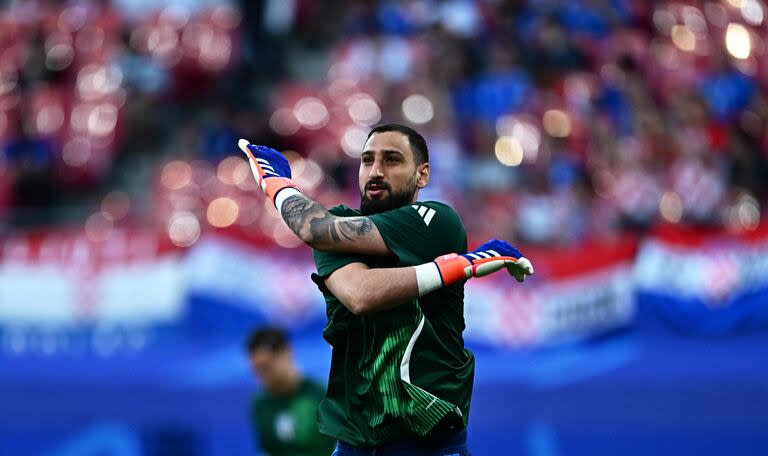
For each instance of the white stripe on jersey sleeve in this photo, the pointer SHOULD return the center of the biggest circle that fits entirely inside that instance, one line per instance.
(430, 213)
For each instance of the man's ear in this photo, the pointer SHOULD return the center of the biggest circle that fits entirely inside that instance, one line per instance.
(422, 178)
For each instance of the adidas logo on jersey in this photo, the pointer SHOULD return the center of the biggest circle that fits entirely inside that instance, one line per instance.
(425, 212)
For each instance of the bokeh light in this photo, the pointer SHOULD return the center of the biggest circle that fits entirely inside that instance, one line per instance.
(671, 207)
(737, 41)
(743, 214)
(49, 119)
(174, 15)
(363, 110)
(215, 51)
(418, 109)
(183, 229)
(97, 120)
(523, 131)
(509, 151)
(59, 56)
(72, 18)
(557, 123)
(76, 152)
(683, 38)
(163, 43)
(307, 173)
(176, 175)
(284, 122)
(353, 140)
(232, 170)
(94, 81)
(694, 20)
(222, 212)
(752, 11)
(311, 113)
(748, 212)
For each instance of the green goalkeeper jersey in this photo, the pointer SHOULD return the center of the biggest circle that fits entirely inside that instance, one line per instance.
(396, 373)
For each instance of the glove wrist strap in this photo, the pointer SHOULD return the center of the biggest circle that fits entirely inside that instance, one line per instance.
(283, 194)
(428, 278)
(453, 267)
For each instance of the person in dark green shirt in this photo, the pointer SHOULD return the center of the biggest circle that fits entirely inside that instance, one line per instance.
(284, 415)
(392, 274)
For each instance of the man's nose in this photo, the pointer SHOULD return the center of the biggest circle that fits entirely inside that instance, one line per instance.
(376, 169)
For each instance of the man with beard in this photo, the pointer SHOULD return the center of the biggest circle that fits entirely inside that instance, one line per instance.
(392, 274)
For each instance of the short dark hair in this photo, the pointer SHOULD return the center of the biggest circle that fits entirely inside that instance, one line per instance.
(266, 338)
(417, 142)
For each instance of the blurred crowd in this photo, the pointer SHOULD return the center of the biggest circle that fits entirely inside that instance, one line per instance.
(548, 121)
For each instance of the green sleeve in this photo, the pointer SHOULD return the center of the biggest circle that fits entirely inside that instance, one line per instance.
(328, 262)
(421, 232)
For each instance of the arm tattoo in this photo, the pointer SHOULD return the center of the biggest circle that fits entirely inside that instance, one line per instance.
(356, 226)
(324, 229)
(299, 211)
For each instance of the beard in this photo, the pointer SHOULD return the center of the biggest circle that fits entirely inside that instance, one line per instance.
(393, 201)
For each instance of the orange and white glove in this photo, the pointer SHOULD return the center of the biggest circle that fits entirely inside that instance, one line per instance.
(271, 170)
(490, 257)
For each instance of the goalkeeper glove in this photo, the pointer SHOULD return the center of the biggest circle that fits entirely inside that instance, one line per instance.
(271, 170)
(486, 259)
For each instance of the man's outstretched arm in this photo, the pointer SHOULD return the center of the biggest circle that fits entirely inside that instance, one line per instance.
(364, 290)
(311, 222)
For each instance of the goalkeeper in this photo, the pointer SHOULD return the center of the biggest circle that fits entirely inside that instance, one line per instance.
(392, 274)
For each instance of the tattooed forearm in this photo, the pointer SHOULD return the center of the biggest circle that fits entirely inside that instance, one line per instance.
(297, 210)
(357, 226)
(316, 226)
(323, 229)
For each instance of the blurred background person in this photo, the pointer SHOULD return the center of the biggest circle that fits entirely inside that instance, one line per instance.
(284, 414)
